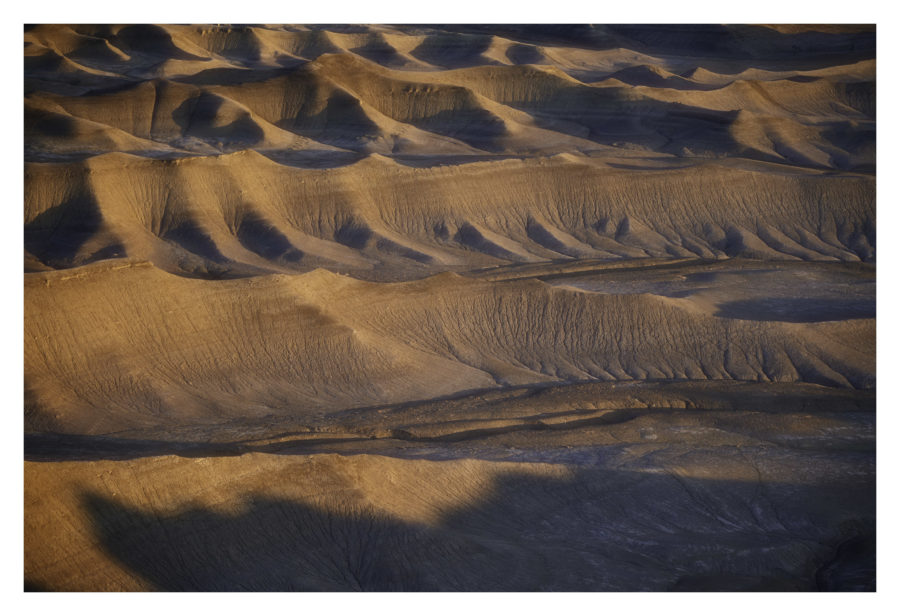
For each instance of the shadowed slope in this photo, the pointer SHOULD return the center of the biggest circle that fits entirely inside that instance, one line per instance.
(477, 214)
(378, 88)
(566, 118)
(332, 523)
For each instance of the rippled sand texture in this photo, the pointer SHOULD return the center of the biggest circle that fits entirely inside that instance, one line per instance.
(449, 308)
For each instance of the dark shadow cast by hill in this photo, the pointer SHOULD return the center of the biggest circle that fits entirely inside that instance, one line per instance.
(453, 50)
(798, 310)
(471, 124)
(47, 447)
(599, 530)
(150, 40)
(258, 235)
(366, 429)
(378, 50)
(56, 235)
(472, 238)
(191, 236)
(200, 117)
(340, 122)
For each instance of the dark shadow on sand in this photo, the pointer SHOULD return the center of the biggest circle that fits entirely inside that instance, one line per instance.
(597, 530)
(799, 310)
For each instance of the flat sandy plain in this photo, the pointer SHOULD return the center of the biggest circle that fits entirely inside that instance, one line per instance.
(449, 308)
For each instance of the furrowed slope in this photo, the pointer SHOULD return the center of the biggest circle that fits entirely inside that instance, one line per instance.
(246, 213)
(462, 91)
(175, 350)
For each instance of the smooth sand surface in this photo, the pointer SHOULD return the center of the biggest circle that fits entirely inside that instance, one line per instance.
(449, 308)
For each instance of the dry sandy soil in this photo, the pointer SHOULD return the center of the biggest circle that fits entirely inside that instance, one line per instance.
(449, 308)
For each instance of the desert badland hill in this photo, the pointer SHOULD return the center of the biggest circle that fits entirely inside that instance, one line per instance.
(449, 307)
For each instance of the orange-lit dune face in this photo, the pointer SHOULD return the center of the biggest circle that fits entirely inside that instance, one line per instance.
(449, 307)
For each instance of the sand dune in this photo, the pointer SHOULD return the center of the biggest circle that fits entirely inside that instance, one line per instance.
(367, 307)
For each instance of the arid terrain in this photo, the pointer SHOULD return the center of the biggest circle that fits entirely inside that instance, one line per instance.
(457, 308)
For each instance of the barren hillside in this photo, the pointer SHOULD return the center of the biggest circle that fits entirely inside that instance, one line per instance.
(449, 307)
